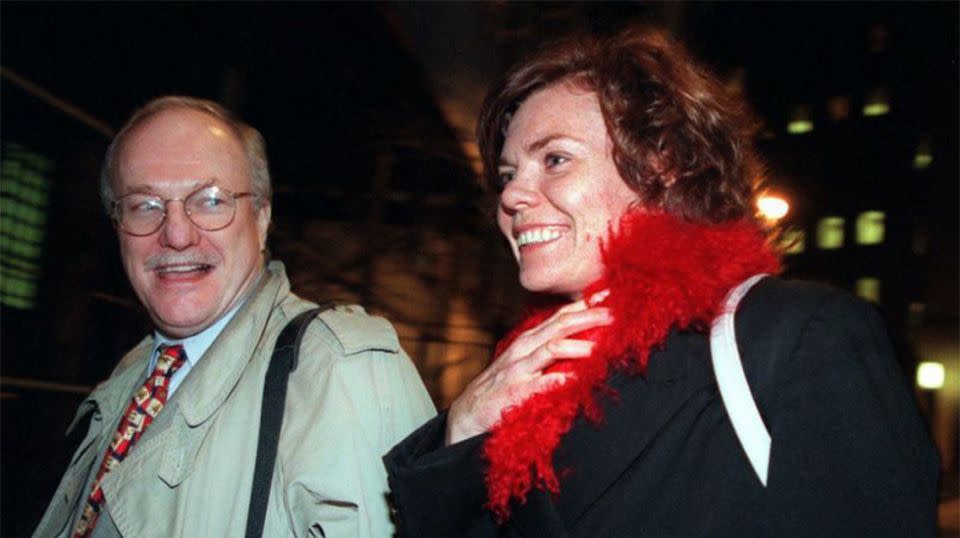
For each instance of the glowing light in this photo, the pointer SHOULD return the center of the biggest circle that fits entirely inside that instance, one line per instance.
(924, 156)
(875, 109)
(801, 120)
(830, 233)
(877, 104)
(799, 126)
(793, 241)
(772, 208)
(870, 228)
(930, 375)
(869, 289)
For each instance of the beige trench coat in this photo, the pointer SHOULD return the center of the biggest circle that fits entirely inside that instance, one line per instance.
(353, 396)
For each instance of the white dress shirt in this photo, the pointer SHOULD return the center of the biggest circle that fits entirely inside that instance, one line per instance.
(194, 346)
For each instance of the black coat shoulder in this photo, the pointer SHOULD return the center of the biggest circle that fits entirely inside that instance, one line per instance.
(850, 455)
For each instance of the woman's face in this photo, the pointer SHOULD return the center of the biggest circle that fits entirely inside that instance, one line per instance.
(561, 189)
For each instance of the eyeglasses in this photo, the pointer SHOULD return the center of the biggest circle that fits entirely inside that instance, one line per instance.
(209, 208)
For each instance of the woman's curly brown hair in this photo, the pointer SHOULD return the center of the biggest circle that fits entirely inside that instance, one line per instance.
(681, 141)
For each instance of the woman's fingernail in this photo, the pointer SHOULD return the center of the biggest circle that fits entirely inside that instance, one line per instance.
(598, 297)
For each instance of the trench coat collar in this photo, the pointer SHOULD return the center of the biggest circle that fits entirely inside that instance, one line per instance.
(212, 380)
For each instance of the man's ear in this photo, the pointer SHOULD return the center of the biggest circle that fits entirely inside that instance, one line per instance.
(263, 224)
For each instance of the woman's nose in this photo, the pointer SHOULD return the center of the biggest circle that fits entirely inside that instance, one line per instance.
(520, 193)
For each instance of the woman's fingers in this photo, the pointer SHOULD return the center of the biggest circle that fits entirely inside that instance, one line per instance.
(556, 350)
(519, 371)
(549, 381)
(560, 325)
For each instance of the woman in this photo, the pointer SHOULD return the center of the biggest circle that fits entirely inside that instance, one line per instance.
(627, 182)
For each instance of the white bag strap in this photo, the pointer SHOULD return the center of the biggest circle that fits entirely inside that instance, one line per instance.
(732, 381)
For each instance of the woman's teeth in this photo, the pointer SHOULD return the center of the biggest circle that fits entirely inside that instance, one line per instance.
(537, 235)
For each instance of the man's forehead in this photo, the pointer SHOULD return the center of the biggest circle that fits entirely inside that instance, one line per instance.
(180, 144)
(180, 128)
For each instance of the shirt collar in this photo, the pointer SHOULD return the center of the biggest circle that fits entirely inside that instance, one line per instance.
(194, 346)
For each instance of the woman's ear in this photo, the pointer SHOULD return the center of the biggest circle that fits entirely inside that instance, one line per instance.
(661, 162)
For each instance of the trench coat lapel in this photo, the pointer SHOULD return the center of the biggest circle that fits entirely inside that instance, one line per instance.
(169, 447)
(110, 397)
(592, 457)
(213, 379)
(105, 403)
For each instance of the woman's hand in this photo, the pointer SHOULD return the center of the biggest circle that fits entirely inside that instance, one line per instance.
(519, 371)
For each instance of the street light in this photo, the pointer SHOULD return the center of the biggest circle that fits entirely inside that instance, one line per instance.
(772, 208)
(930, 375)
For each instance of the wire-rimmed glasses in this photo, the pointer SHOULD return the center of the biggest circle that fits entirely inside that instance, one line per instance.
(209, 208)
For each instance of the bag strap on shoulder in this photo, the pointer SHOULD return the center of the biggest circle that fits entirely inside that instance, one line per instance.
(283, 361)
(732, 382)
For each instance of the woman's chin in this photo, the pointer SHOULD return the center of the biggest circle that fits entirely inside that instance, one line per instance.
(550, 287)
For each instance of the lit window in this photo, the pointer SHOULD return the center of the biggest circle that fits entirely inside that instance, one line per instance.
(830, 233)
(838, 107)
(793, 241)
(877, 103)
(801, 121)
(930, 375)
(868, 288)
(924, 156)
(870, 228)
(24, 189)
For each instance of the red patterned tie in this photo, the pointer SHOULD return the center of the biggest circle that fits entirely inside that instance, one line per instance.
(144, 407)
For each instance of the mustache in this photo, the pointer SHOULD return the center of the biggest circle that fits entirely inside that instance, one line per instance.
(180, 258)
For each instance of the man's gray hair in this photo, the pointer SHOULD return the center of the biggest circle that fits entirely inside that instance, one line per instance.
(251, 139)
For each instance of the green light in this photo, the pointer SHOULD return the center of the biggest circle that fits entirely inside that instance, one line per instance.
(869, 289)
(921, 161)
(15, 302)
(25, 195)
(830, 233)
(793, 241)
(876, 109)
(870, 228)
(799, 126)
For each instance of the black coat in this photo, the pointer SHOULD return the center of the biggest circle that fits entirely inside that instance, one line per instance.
(850, 454)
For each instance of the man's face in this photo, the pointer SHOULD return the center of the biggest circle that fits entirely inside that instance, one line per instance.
(187, 278)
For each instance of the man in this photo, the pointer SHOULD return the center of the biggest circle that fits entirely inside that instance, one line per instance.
(172, 440)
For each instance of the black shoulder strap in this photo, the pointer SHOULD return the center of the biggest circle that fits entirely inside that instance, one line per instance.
(282, 362)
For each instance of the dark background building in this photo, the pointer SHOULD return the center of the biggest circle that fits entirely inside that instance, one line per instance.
(368, 111)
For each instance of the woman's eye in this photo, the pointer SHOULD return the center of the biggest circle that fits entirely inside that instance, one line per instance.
(503, 178)
(554, 159)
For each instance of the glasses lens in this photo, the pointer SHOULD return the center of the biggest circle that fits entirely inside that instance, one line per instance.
(211, 208)
(140, 214)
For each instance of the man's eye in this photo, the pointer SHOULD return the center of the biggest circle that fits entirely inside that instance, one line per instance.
(503, 178)
(145, 206)
(554, 159)
(212, 201)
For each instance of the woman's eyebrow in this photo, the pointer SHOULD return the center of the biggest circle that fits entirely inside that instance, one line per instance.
(539, 144)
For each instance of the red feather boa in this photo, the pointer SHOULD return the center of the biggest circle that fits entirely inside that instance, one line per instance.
(662, 273)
